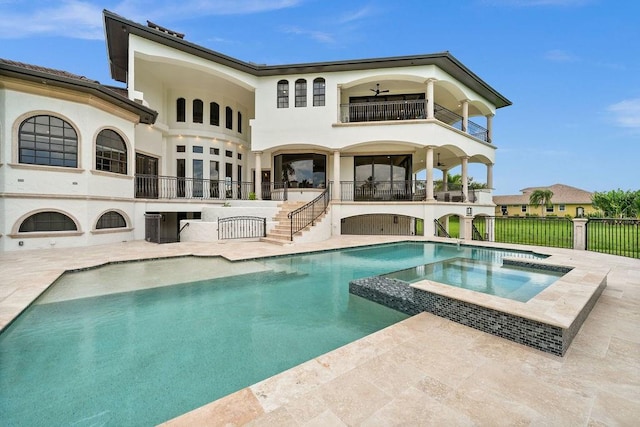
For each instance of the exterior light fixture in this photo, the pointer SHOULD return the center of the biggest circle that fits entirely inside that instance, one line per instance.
(469, 211)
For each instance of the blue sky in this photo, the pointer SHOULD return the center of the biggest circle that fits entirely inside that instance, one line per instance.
(570, 67)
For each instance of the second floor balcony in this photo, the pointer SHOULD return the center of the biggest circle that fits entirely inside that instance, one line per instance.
(416, 109)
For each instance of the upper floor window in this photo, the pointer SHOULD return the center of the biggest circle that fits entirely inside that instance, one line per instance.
(549, 208)
(47, 140)
(181, 108)
(111, 219)
(301, 93)
(198, 108)
(523, 208)
(318, 92)
(47, 221)
(228, 117)
(283, 94)
(239, 122)
(214, 114)
(111, 152)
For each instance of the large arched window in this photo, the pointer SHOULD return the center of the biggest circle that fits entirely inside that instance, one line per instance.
(318, 92)
(111, 152)
(48, 140)
(198, 111)
(214, 114)
(111, 219)
(301, 93)
(228, 117)
(47, 221)
(181, 108)
(283, 94)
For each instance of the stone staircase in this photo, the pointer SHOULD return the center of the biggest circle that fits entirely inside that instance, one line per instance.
(281, 233)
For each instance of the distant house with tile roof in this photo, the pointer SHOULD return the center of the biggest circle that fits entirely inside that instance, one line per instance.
(566, 200)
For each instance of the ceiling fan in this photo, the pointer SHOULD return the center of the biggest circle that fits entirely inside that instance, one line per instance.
(440, 164)
(378, 91)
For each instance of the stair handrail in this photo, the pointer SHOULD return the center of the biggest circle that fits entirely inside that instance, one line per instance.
(307, 214)
(441, 228)
(476, 233)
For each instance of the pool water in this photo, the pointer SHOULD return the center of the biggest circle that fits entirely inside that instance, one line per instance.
(506, 281)
(102, 347)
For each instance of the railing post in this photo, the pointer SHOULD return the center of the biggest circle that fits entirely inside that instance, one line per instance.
(580, 233)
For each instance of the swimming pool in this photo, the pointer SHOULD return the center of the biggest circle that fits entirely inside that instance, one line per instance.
(107, 346)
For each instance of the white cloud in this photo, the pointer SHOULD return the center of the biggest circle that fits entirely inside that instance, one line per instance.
(626, 113)
(355, 15)
(557, 55)
(320, 36)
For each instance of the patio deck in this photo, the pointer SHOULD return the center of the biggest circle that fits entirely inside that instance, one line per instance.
(423, 371)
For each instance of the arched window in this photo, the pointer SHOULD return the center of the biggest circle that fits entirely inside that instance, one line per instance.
(214, 114)
(111, 152)
(318, 92)
(239, 122)
(198, 108)
(48, 140)
(111, 219)
(283, 94)
(228, 117)
(47, 221)
(181, 106)
(301, 93)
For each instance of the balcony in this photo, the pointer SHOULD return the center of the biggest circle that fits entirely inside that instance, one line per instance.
(407, 110)
(399, 191)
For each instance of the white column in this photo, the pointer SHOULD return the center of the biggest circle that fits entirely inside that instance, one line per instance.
(490, 176)
(336, 190)
(465, 184)
(430, 173)
(430, 99)
(257, 174)
(465, 115)
(489, 127)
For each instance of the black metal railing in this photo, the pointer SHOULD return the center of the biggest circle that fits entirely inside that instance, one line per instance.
(306, 215)
(381, 225)
(476, 233)
(397, 191)
(241, 227)
(614, 236)
(550, 231)
(441, 231)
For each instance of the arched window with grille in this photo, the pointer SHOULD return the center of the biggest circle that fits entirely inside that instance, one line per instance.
(318, 92)
(301, 93)
(181, 110)
(228, 117)
(47, 221)
(111, 219)
(283, 94)
(214, 114)
(111, 152)
(198, 111)
(47, 140)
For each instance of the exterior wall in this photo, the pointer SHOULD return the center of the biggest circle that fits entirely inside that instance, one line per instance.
(570, 209)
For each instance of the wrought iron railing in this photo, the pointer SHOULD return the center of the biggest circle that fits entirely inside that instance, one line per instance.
(241, 227)
(441, 231)
(397, 191)
(407, 110)
(540, 231)
(614, 236)
(306, 215)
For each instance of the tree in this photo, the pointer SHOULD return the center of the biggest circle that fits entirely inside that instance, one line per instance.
(541, 197)
(617, 203)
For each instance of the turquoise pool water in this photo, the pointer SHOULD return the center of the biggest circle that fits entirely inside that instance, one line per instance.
(144, 356)
(506, 281)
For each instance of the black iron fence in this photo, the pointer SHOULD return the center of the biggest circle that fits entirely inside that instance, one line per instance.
(241, 227)
(309, 213)
(614, 236)
(540, 231)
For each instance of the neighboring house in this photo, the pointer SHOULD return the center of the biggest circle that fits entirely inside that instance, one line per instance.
(82, 163)
(566, 200)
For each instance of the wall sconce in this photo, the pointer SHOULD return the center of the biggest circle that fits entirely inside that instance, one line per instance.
(469, 211)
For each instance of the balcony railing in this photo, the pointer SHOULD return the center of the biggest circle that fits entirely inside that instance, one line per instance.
(407, 110)
(397, 191)
(171, 187)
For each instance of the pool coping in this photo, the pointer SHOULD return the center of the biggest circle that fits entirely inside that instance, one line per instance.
(548, 322)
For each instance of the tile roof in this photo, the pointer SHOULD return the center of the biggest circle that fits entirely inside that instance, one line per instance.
(562, 194)
(52, 71)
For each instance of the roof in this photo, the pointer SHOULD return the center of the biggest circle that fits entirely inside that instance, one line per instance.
(64, 79)
(562, 194)
(118, 29)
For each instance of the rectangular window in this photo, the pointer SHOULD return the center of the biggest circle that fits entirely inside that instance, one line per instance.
(523, 208)
(239, 122)
(549, 209)
(561, 208)
(504, 210)
(197, 178)
(239, 156)
(301, 93)
(214, 171)
(214, 151)
(180, 177)
(181, 148)
(198, 149)
(228, 153)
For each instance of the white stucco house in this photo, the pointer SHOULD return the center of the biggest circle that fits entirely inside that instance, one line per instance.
(195, 134)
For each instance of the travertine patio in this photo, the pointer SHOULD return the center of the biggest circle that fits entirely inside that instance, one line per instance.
(423, 371)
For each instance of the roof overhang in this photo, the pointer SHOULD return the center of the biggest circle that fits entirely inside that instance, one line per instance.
(117, 31)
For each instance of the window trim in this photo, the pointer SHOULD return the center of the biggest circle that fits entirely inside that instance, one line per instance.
(126, 151)
(282, 94)
(17, 130)
(16, 233)
(117, 211)
(318, 94)
(300, 95)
